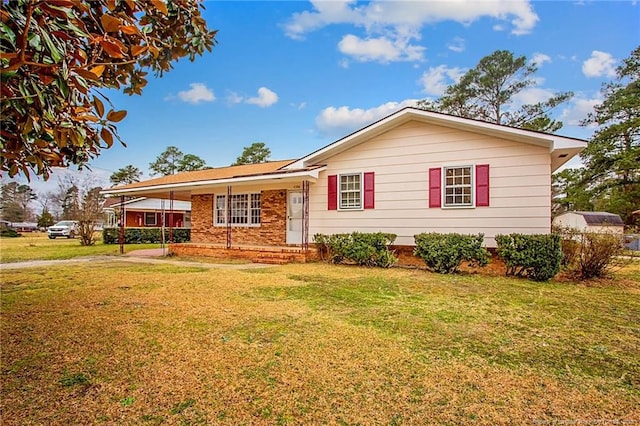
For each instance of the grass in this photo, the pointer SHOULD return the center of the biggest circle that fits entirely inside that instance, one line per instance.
(37, 246)
(315, 344)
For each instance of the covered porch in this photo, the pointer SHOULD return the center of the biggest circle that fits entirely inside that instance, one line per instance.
(261, 217)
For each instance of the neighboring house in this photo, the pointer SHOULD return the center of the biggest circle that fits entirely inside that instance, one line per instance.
(591, 222)
(411, 172)
(142, 212)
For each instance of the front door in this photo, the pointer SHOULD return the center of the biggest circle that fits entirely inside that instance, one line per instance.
(294, 217)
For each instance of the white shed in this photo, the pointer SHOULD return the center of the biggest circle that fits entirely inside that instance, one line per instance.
(590, 222)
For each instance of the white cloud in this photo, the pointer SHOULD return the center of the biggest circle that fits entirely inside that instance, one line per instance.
(391, 28)
(233, 98)
(199, 92)
(599, 64)
(264, 99)
(540, 58)
(578, 109)
(381, 49)
(344, 120)
(436, 79)
(456, 45)
(531, 95)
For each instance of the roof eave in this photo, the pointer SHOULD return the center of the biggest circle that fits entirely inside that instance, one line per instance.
(189, 186)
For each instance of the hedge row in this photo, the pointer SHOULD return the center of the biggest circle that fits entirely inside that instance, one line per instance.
(444, 253)
(145, 235)
(366, 249)
(537, 257)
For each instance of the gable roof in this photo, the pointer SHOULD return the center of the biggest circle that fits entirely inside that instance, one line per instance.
(601, 218)
(562, 148)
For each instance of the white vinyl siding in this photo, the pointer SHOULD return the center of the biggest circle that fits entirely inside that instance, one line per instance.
(520, 185)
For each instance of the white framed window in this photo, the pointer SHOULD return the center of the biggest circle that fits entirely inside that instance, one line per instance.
(458, 186)
(350, 191)
(243, 210)
(150, 219)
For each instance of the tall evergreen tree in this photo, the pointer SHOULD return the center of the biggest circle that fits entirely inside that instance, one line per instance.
(612, 158)
(125, 175)
(173, 161)
(488, 92)
(257, 152)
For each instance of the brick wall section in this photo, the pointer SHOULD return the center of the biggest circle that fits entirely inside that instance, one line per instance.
(272, 230)
(254, 254)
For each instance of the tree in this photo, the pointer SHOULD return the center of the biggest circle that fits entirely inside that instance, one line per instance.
(255, 153)
(45, 219)
(173, 161)
(568, 192)
(15, 199)
(488, 92)
(190, 162)
(612, 157)
(58, 54)
(125, 175)
(90, 214)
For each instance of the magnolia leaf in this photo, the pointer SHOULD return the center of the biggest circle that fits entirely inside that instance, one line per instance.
(161, 6)
(137, 50)
(115, 116)
(86, 74)
(110, 23)
(98, 70)
(99, 106)
(112, 49)
(129, 29)
(106, 136)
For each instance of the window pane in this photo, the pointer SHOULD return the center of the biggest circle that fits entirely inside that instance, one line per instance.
(458, 186)
(350, 191)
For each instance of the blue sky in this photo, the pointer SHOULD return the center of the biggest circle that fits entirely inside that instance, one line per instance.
(298, 75)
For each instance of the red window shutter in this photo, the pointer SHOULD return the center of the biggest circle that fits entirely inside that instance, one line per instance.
(369, 190)
(435, 182)
(332, 191)
(482, 185)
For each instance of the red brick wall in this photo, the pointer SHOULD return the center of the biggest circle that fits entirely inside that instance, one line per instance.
(272, 230)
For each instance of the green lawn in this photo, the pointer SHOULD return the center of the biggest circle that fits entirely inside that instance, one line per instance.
(37, 246)
(135, 344)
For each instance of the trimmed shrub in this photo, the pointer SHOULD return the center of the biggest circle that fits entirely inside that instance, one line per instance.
(537, 257)
(365, 249)
(145, 235)
(444, 253)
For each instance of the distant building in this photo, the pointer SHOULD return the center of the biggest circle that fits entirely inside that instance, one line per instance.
(591, 222)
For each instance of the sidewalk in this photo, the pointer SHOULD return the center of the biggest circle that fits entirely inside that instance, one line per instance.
(150, 256)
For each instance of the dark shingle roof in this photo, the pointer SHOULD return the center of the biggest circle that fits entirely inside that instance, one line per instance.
(601, 218)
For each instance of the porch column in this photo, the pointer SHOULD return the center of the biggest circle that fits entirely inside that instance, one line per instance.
(170, 216)
(305, 215)
(123, 217)
(228, 218)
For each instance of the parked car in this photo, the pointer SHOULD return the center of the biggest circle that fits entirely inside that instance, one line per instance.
(65, 228)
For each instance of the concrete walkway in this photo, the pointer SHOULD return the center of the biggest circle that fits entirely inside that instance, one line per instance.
(135, 256)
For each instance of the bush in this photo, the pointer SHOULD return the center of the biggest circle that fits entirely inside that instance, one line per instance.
(591, 255)
(538, 257)
(365, 249)
(9, 232)
(444, 253)
(145, 235)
